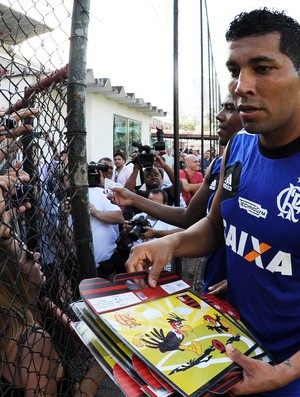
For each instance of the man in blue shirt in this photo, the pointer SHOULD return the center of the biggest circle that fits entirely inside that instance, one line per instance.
(255, 212)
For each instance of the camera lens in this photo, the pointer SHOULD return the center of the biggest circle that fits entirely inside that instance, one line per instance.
(135, 233)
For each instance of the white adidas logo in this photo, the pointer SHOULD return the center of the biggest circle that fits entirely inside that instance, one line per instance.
(213, 185)
(227, 184)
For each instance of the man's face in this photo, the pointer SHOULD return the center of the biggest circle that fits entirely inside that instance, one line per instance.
(192, 163)
(153, 178)
(157, 198)
(119, 161)
(229, 121)
(107, 174)
(265, 87)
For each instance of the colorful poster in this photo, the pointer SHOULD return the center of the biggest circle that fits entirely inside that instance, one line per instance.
(182, 338)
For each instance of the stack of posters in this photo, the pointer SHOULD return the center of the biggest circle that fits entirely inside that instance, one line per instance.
(163, 341)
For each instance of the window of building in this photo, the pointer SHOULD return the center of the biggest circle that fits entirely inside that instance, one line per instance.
(126, 131)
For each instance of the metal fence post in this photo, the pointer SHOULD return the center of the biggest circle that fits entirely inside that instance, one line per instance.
(76, 136)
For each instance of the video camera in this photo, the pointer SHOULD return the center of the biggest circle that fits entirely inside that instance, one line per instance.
(146, 154)
(138, 224)
(93, 174)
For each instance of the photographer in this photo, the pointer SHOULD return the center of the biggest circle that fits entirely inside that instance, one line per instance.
(150, 160)
(143, 227)
(106, 173)
(97, 172)
(153, 179)
(105, 220)
(14, 125)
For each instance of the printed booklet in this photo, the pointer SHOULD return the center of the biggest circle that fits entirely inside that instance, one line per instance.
(166, 339)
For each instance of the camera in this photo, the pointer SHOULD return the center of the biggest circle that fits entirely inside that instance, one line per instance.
(21, 194)
(138, 224)
(93, 174)
(146, 154)
(8, 123)
(145, 157)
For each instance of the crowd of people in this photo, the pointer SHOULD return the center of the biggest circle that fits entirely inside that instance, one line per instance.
(239, 211)
(142, 209)
(33, 360)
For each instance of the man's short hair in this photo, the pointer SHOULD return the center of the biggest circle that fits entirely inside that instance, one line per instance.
(149, 169)
(105, 159)
(263, 21)
(163, 192)
(121, 154)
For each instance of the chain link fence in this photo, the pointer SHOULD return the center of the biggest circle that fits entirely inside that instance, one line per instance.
(42, 177)
(41, 155)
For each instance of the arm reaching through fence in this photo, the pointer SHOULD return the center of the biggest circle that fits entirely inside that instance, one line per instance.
(14, 125)
(8, 182)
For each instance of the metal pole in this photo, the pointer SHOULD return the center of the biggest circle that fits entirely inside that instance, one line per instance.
(178, 263)
(76, 136)
(176, 106)
(202, 87)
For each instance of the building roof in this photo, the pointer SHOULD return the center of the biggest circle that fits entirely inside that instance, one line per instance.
(188, 135)
(118, 93)
(10, 22)
(11, 34)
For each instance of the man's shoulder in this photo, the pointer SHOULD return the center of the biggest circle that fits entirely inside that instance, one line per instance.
(197, 177)
(182, 174)
(129, 166)
(96, 190)
(127, 169)
(96, 193)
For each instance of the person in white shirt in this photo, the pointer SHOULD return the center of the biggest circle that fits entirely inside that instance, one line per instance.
(121, 172)
(169, 158)
(155, 228)
(105, 220)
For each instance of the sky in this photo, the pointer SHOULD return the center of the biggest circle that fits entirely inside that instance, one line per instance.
(131, 42)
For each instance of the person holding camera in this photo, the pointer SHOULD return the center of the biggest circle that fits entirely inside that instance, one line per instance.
(105, 220)
(156, 228)
(152, 178)
(143, 227)
(108, 172)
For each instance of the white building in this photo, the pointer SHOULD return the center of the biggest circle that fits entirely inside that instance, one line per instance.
(115, 118)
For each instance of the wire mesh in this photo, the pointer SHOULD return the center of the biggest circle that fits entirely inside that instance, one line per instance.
(39, 353)
(39, 162)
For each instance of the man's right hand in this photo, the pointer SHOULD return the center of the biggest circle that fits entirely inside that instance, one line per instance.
(155, 254)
